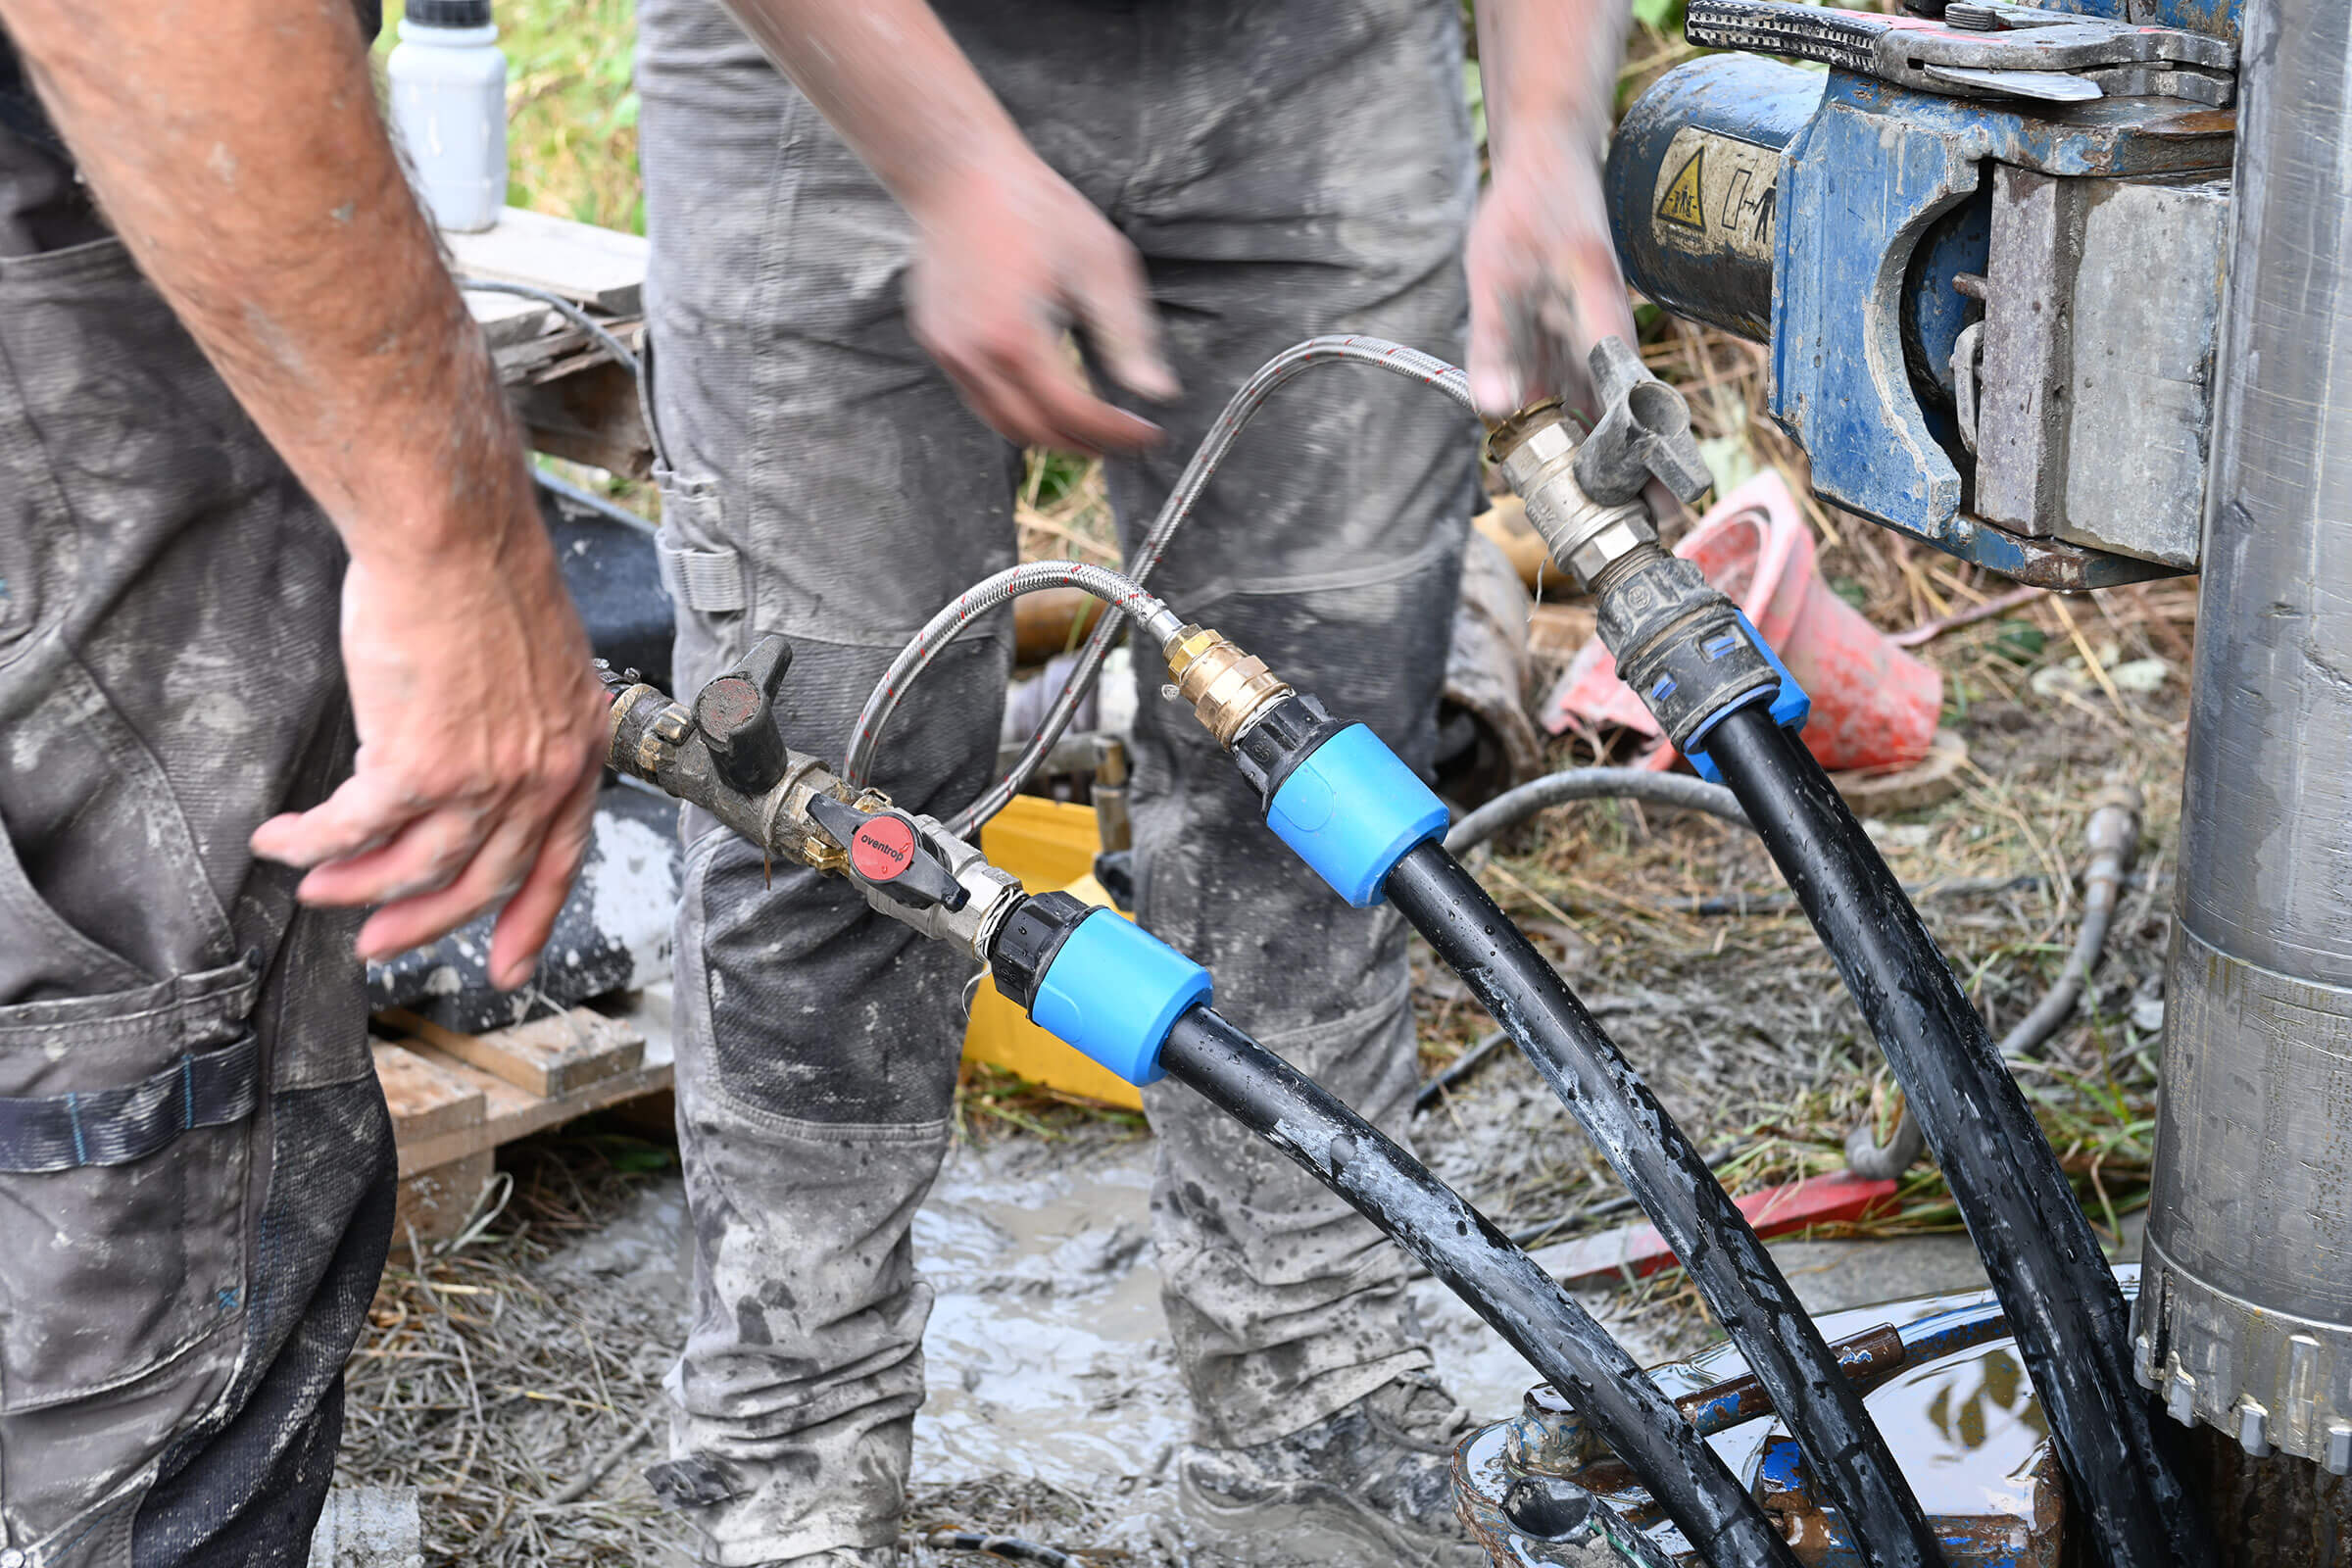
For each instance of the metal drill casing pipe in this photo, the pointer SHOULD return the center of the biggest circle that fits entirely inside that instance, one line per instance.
(2245, 1320)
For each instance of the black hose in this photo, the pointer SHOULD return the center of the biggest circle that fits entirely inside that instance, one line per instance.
(1498, 1281)
(1462, 1067)
(1850, 1462)
(1011, 1547)
(1514, 807)
(2020, 1209)
(2113, 830)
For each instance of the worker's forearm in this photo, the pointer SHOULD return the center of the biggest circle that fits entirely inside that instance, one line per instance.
(892, 82)
(240, 154)
(1549, 72)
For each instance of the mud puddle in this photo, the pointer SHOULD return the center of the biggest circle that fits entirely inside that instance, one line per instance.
(1051, 1379)
(1048, 1352)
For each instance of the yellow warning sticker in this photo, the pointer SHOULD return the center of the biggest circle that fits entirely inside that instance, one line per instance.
(1715, 195)
(1681, 203)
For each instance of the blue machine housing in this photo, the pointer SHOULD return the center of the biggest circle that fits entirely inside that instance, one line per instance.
(1351, 809)
(1828, 215)
(1113, 991)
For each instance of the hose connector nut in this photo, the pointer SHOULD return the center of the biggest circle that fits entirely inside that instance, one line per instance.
(1688, 652)
(1536, 449)
(1229, 688)
(646, 730)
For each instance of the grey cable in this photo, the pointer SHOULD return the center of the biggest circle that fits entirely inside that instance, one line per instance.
(1514, 807)
(2114, 827)
(591, 502)
(1378, 353)
(1115, 590)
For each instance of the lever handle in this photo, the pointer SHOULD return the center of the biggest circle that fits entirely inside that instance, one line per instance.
(737, 715)
(1645, 430)
(887, 853)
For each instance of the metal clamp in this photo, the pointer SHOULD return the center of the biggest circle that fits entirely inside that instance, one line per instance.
(1988, 50)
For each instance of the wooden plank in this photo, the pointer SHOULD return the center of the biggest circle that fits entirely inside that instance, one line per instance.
(424, 1101)
(437, 1201)
(509, 320)
(512, 1114)
(548, 1057)
(591, 416)
(592, 265)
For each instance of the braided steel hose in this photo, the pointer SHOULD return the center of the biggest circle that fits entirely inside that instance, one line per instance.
(1116, 591)
(1347, 349)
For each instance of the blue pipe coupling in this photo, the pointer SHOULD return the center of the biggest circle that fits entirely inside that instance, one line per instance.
(1336, 793)
(1350, 810)
(1095, 981)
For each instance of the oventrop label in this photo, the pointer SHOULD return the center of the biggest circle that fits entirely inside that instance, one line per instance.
(1715, 196)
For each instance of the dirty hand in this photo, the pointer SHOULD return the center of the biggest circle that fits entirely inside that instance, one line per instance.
(1544, 279)
(1009, 258)
(481, 736)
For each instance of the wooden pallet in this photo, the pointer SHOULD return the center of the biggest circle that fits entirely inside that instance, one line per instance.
(456, 1097)
(574, 401)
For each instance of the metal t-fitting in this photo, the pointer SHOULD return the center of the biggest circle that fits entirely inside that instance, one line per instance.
(1584, 497)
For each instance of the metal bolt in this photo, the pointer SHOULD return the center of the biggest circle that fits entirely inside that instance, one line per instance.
(1549, 1437)
(2340, 1451)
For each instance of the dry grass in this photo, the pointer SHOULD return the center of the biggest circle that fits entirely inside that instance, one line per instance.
(495, 1389)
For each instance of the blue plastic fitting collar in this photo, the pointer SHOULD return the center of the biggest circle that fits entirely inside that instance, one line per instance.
(1351, 809)
(1113, 991)
(1790, 707)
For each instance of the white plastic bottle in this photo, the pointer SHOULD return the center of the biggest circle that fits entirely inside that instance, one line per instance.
(449, 109)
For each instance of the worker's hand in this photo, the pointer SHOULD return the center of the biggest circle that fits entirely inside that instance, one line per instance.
(1009, 258)
(1544, 279)
(481, 735)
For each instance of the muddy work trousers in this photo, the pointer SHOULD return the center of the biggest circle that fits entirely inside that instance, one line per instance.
(195, 1163)
(1284, 169)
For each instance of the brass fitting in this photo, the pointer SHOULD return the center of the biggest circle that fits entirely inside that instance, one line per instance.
(1228, 688)
(645, 733)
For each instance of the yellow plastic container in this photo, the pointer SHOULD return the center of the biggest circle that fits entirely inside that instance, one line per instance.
(1048, 845)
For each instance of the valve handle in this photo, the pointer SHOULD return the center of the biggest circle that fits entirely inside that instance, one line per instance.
(887, 853)
(1645, 430)
(737, 715)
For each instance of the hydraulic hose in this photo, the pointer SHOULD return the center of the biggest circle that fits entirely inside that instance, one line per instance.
(2059, 1293)
(1514, 807)
(2113, 829)
(1849, 1457)
(1498, 1281)
(1118, 592)
(1379, 353)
